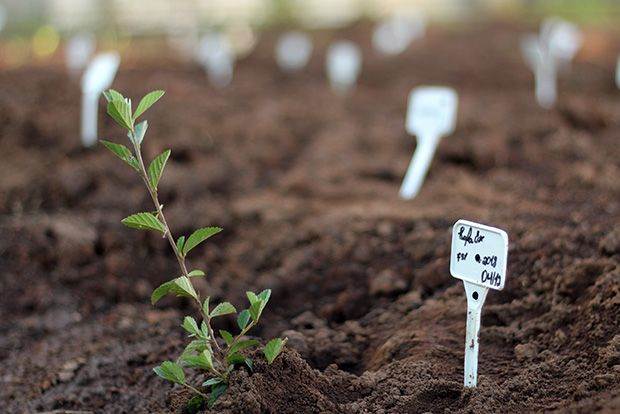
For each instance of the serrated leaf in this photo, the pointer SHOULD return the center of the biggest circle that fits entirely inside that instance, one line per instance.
(146, 102)
(265, 295)
(273, 349)
(180, 243)
(111, 95)
(144, 221)
(241, 345)
(196, 273)
(243, 319)
(252, 297)
(156, 168)
(226, 336)
(198, 237)
(181, 286)
(139, 131)
(203, 360)
(123, 153)
(211, 381)
(194, 347)
(223, 308)
(235, 359)
(217, 391)
(170, 371)
(190, 325)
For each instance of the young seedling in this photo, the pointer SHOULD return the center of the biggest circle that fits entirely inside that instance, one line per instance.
(215, 358)
(343, 65)
(431, 113)
(293, 51)
(97, 78)
(479, 255)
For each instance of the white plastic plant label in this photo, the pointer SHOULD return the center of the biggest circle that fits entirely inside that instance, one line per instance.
(216, 56)
(392, 36)
(563, 39)
(343, 64)
(479, 254)
(293, 51)
(478, 257)
(98, 77)
(431, 113)
(78, 51)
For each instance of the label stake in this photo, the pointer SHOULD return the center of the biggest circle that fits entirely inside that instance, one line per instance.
(478, 256)
(431, 113)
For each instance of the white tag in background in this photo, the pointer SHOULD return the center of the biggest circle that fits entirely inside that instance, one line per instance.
(3, 16)
(343, 65)
(78, 51)
(293, 51)
(552, 50)
(431, 113)
(478, 257)
(216, 56)
(393, 35)
(97, 77)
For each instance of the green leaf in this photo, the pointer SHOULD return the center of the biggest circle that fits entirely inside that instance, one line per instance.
(194, 347)
(252, 297)
(227, 336)
(217, 391)
(249, 363)
(190, 325)
(196, 273)
(180, 243)
(205, 305)
(181, 286)
(195, 404)
(143, 221)
(273, 349)
(211, 381)
(198, 237)
(111, 95)
(204, 329)
(265, 295)
(123, 153)
(233, 359)
(146, 102)
(241, 345)
(157, 167)
(139, 132)
(243, 319)
(223, 308)
(120, 111)
(170, 371)
(203, 360)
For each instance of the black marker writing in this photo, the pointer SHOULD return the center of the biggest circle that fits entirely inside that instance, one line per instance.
(467, 238)
(493, 278)
(461, 256)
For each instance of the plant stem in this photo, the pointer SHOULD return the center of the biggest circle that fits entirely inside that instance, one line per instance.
(168, 235)
(202, 394)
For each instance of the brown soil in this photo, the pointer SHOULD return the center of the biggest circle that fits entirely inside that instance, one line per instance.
(305, 185)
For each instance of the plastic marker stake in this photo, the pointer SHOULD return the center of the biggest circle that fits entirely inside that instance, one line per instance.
(293, 51)
(216, 56)
(393, 35)
(431, 113)
(548, 52)
(97, 78)
(478, 257)
(78, 51)
(343, 64)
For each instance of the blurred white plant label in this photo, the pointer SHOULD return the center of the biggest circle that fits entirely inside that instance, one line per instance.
(78, 51)
(431, 113)
(293, 51)
(216, 55)
(393, 35)
(343, 64)
(479, 254)
(98, 76)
